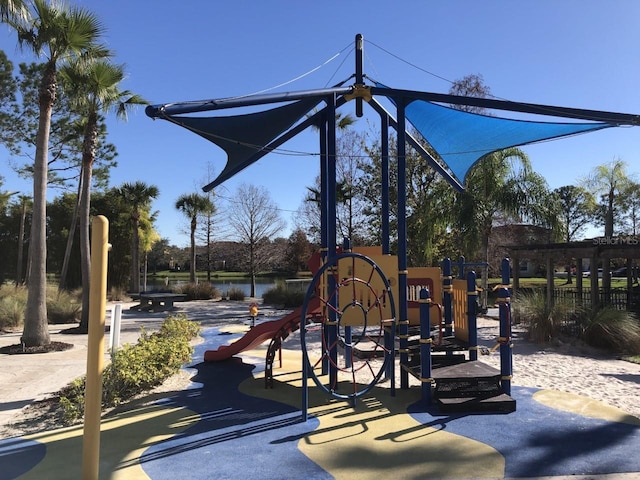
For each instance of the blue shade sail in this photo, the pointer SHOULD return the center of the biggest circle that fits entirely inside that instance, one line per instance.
(462, 138)
(244, 137)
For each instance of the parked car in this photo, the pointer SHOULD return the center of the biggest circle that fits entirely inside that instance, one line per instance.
(587, 274)
(620, 272)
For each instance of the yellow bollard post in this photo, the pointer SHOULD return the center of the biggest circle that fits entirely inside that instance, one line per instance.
(95, 350)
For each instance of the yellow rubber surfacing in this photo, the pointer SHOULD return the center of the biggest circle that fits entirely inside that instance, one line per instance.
(124, 438)
(584, 406)
(378, 436)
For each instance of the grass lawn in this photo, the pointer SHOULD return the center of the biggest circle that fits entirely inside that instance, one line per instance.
(632, 358)
(561, 282)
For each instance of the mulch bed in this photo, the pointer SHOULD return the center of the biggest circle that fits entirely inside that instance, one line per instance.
(19, 349)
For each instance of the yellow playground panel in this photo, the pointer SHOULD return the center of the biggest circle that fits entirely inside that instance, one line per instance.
(370, 288)
(363, 294)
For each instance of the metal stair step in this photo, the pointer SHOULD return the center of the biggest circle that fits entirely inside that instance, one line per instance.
(501, 403)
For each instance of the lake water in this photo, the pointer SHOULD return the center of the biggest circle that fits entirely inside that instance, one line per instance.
(262, 285)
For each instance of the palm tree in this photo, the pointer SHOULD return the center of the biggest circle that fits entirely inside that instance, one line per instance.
(13, 10)
(59, 33)
(609, 182)
(137, 196)
(148, 237)
(93, 88)
(193, 205)
(500, 184)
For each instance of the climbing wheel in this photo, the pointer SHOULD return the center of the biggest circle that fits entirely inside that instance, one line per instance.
(347, 353)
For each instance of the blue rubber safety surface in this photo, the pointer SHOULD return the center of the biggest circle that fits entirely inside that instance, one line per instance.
(18, 456)
(238, 436)
(537, 440)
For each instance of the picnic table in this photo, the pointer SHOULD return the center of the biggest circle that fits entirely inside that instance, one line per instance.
(158, 302)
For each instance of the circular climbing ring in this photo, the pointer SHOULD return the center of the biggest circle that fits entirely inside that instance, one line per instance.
(347, 353)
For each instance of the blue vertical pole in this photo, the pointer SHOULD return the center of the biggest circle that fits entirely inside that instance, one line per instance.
(332, 330)
(447, 297)
(402, 243)
(324, 194)
(305, 376)
(472, 304)
(389, 336)
(425, 345)
(385, 209)
(348, 334)
(505, 340)
(461, 268)
(359, 71)
(323, 187)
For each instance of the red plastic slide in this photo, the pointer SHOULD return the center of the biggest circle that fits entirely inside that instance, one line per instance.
(258, 334)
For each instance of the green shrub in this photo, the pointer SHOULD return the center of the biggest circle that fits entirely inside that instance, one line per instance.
(611, 329)
(72, 400)
(198, 291)
(137, 368)
(235, 293)
(279, 295)
(541, 321)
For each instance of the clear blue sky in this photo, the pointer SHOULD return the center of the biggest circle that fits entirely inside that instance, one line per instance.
(572, 53)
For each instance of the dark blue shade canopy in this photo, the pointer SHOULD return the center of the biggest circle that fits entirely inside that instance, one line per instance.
(244, 137)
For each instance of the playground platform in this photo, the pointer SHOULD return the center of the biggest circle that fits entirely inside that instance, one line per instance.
(226, 425)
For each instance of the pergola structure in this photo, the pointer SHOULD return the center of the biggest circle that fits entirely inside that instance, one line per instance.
(594, 250)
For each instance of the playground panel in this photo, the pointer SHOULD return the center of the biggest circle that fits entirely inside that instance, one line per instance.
(365, 301)
(417, 279)
(460, 321)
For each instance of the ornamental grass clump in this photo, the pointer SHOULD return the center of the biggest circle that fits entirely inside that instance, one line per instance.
(611, 329)
(236, 294)
(543, 322)
(63, 306)
(279, 295)
(137, 368)
(198, 291)
(13, 302)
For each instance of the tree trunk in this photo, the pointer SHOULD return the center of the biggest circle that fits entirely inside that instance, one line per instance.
(209, 248)
(85, 249)
(606, 265)
(23, 218)
(88, 155)
(252, 268)
(135, 258)
(36, 328)
(485, 273)
(192, 269)
(62, 285)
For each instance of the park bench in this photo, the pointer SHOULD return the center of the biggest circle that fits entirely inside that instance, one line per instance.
(158, 302)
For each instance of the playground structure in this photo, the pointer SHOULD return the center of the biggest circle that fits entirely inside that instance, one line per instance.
(357, 340)
(357, 308)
